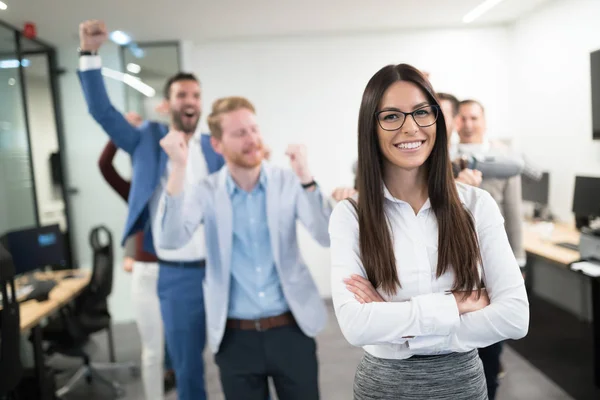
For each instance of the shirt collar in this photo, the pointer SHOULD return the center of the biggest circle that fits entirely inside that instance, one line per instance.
(390, 197)
(233, 187)
(474, 148)
(196, 137)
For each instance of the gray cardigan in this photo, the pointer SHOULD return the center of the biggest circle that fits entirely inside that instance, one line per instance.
(507, 193)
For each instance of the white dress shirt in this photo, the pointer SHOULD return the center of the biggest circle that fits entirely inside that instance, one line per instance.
(195, 172)
(477, 150)
(90, 62)
(423, 307)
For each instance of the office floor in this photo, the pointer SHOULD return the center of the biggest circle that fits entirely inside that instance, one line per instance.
(338, 361)
(553, 330)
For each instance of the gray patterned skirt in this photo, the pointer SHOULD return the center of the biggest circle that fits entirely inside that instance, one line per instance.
(455, 376)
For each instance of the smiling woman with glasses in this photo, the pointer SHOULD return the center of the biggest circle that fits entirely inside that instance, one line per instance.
(422, 271)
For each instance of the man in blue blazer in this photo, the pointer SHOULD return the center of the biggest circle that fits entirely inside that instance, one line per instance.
(181, 271)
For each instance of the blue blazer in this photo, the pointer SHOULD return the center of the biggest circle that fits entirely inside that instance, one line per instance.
(148, 158)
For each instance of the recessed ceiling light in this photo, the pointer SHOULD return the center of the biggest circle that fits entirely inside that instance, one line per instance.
(480, 10)
(120, 38)
(134, 68)
(5, 64)
(3, 6)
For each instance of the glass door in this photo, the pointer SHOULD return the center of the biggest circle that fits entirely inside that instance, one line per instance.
(32, 191)
(43, 135)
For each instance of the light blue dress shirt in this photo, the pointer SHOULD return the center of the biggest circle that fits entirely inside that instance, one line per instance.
(286, 203)
(255, 290)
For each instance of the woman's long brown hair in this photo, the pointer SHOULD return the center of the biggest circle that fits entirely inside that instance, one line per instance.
(458, 247)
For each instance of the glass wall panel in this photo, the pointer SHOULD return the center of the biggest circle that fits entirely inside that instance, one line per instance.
(151, 64)
(17, 196)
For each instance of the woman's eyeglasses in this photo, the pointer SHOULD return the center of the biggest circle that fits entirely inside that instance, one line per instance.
(392, 120)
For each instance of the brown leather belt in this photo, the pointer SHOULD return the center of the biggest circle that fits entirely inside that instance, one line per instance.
(262, 324)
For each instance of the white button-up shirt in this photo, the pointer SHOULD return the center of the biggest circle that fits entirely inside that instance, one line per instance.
(423, 307)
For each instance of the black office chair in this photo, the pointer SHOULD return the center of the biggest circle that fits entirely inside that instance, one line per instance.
(11, 369)
(71, 331)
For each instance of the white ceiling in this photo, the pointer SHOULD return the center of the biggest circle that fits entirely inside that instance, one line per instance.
(199, 20)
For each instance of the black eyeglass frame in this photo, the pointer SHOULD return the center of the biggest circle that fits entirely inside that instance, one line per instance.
(434, 107)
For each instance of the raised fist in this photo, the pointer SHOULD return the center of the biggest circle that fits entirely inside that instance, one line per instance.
(92, 34)
(175, 145)
(299, 162)
(134, 119)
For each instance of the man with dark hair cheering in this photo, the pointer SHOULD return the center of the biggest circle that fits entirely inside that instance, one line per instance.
(181, 271)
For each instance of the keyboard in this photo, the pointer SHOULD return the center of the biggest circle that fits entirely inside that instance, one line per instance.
(569, 246)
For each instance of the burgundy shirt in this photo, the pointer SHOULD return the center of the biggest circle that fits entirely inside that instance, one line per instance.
(121, 186)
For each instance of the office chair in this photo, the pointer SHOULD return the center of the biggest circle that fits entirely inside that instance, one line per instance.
(11, 369)
(71, 331)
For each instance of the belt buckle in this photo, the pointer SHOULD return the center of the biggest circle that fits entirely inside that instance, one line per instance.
(257, 325)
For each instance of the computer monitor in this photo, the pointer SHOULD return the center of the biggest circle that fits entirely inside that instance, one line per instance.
(36, 248)
(586, 197)
(595, 84)
(536, 191)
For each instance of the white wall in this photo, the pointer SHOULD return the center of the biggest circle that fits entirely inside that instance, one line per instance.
(308, 89)
(551, 93)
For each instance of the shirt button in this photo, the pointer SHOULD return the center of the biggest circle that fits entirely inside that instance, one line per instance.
(252, 220)
(261, 294)
(258, 269)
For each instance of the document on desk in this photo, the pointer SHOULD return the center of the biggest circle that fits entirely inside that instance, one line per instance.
(588, 268)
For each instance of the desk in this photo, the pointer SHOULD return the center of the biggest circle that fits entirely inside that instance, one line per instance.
(33, 312)
(546, 248)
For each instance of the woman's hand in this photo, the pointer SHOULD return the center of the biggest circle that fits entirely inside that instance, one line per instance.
(471, 303)
(363, 291)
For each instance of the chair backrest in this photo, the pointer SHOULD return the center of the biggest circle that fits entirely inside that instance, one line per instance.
(11, 369)
(94, 298)
(103, 258)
